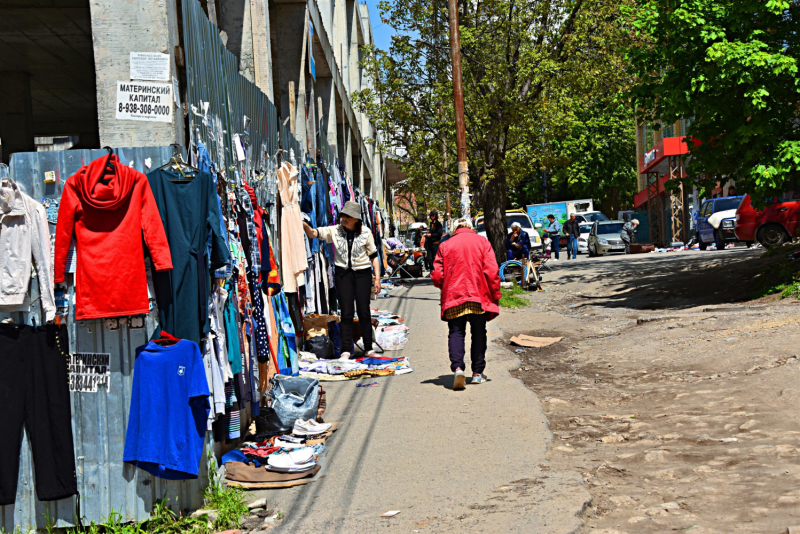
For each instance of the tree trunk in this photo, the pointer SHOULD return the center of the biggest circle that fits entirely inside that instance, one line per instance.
(494, 213)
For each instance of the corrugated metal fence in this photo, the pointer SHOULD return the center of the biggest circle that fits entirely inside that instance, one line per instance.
(99, 420)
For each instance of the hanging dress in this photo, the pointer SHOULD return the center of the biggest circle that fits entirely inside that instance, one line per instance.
(293, 254)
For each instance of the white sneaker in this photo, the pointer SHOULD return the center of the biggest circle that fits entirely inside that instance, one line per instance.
(309, 428)
(553, 259)
(459, 380)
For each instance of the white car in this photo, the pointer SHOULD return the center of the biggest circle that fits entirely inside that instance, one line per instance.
(512, 217)
(583, 240)
(590, 216)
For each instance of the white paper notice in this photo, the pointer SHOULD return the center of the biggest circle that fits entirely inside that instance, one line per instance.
(87, 370)
(142, 101)
(149, 66)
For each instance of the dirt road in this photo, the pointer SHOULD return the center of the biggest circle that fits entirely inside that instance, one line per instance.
(466, 461)
(673, 395)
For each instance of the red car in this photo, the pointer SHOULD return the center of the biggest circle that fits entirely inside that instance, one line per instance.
(776, 224)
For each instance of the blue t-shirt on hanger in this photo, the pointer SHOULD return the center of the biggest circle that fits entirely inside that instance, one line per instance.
(169, 411)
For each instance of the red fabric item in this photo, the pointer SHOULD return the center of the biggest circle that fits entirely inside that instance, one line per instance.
(466, 271)
(108, 215)
(262, 453)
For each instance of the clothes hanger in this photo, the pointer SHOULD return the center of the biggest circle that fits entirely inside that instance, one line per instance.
(109, 167)
(166, 339)
(180, 166)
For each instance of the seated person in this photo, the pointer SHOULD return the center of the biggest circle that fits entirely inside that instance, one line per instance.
(518, 243)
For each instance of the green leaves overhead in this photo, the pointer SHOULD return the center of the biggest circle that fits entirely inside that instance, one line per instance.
(732, 67)
(528, 67)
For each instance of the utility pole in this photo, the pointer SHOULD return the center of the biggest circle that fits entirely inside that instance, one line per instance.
(458, 105)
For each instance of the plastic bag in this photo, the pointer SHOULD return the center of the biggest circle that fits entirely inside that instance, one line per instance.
(294, 397)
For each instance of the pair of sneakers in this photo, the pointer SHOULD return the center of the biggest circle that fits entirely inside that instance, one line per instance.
(309, 428)
(460, 379)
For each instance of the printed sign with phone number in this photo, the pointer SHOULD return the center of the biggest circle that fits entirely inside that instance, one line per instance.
(144, 101)
(88, 370)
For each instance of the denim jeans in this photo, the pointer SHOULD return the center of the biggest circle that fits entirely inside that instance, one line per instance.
(572, 246)
(555, 239)
(456, 341)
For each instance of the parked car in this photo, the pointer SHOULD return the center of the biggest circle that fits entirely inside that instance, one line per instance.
(716, 221)
(583, 240)
(776, 224)
(605, 237)
(511, 218)
(590, 216)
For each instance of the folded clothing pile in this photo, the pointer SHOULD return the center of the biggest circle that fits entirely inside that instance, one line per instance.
(296, 461)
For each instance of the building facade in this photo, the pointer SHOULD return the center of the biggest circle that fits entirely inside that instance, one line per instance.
(662, 155)
(63, 61)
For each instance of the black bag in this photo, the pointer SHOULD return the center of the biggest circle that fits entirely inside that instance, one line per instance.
(321, 346)
(268, 422)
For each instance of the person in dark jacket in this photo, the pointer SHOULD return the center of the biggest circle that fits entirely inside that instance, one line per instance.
(466, 271)
(572, 229)
(628, 234)
(432, 239)
(518, 243)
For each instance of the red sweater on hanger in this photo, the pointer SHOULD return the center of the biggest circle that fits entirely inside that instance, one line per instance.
(108, 215)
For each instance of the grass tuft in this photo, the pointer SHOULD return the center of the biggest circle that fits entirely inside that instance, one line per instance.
(509, 298)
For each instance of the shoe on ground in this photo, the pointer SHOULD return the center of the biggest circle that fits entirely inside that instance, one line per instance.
(459, 380)
(553, 259)
(309, 428)
(477, 378)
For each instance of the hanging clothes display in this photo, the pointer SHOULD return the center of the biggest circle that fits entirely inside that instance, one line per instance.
(108, 207)
(190, 213)
(293, 257)
(168, 412)
(34, 391)
(24, 235)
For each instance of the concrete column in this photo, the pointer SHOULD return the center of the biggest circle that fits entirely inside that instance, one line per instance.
(339, 34)
(247, 66)
(326, 90)
(348, 155)
(354, 78)
(326, 14)
(311, 120)
(16, 114)
(119, 28)
(290, 49)
(262, 47)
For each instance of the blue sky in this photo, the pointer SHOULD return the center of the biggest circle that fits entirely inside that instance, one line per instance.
(382, 32)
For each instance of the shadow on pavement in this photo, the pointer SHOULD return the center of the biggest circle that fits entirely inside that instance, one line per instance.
(668, 280)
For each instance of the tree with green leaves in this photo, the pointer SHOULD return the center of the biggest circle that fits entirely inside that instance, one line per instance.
(524, 62)
(731, 66)
(597, 154)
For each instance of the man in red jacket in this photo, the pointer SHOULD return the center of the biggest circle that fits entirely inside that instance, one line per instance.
(466, 271)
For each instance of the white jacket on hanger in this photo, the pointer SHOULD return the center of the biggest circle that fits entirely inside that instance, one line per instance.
(24, 238)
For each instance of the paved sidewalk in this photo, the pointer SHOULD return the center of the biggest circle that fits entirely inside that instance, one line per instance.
(467, 461)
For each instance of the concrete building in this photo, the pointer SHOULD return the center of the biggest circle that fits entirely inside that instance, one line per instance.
(61, 62)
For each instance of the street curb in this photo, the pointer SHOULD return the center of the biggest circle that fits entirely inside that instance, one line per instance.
(500, 351)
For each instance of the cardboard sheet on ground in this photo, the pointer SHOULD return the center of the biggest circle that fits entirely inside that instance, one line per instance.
(534, 342)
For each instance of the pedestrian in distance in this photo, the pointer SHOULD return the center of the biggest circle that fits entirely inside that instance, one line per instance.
(518, 243)
(355, 270)
(572, 229)
(466, 271)
(628, 234)
(432, 239)
(554, 231)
